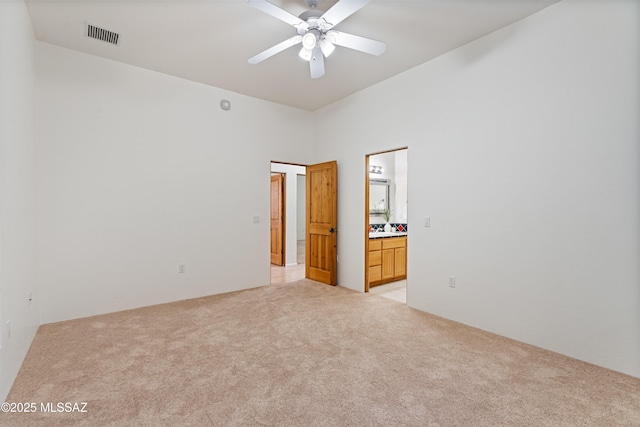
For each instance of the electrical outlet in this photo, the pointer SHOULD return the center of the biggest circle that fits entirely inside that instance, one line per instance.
(181, 269)
(452, 282)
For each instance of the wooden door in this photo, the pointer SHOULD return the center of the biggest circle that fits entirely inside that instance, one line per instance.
(322, 223)
(277, 219)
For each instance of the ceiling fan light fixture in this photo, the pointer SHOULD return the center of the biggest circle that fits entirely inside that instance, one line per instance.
(305, 53)
(309, 40)
(327, 47)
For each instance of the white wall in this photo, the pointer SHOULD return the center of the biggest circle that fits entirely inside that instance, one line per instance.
(301, 207)
(524, 153)
(291, 200)
(17, 191)
(138, 173)
(400, 181)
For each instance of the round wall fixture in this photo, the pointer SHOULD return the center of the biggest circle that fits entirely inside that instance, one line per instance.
(225, 104)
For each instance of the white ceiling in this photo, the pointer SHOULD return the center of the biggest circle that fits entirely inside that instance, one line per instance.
(209, 41)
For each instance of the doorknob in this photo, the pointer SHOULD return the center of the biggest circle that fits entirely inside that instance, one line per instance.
(332, 230)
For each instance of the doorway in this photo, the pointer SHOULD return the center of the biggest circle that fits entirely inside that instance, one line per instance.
(317, 243)
(290, 209)
(386, 224)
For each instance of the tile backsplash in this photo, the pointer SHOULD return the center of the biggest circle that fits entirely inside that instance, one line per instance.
(380, 227)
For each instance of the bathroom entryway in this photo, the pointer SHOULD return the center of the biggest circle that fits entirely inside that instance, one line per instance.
(386, 232)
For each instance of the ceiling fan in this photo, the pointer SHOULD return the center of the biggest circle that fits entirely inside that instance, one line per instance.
(316, 32)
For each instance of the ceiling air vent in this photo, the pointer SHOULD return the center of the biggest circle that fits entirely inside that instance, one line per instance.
(102, 34)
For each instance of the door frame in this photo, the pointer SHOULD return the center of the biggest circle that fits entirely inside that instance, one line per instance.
(366, 211)
(333, 275)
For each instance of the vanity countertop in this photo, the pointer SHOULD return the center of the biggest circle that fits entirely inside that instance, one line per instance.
(382, 234)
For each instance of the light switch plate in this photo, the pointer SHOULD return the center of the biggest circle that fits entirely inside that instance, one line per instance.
(427, 221)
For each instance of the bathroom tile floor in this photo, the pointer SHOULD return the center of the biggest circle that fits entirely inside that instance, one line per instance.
(396, 291)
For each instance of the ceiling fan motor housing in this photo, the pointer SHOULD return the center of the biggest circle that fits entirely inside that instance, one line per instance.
(312, 4)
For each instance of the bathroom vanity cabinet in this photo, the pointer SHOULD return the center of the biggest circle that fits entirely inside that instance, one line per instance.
(387, 260)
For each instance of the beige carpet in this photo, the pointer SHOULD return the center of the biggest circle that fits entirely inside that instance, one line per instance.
(306, 354)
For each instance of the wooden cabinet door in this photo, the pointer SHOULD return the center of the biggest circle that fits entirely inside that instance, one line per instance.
(375, 258)
(375, 273)
(388, 263)
(400, 261)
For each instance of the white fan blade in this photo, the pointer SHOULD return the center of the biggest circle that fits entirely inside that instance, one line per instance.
(342, 10)
(316, 64)
(275, 49)
(276, 12)
(372, 47)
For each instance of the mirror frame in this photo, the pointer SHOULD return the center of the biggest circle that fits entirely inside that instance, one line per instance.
(377, 182)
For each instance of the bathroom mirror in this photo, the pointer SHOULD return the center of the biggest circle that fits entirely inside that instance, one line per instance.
(378, 196)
